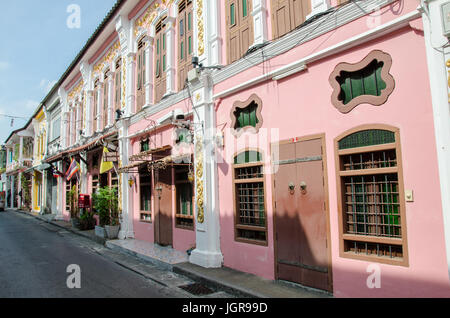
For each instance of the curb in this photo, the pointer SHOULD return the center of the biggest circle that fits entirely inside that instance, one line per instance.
(215, 284)
(96, 239)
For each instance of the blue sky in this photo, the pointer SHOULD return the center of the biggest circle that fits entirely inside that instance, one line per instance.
(36, 48)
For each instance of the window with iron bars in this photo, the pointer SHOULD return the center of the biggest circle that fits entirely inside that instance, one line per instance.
(249, 194)
(371, 194)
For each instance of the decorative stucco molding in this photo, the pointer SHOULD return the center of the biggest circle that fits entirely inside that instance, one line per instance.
(377, 55)
(241, 105)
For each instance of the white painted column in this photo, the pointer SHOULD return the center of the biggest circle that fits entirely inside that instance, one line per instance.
(21, 150)
(126, 218)
(213, 10)
(99, 107)
(170, 56)
(78, 121)
(318, 6)
(259, 14)
(130, 84)
(149, 70)
(440, 93)
(110, 83)
(207, 253)
(89, 120)
(60, 191)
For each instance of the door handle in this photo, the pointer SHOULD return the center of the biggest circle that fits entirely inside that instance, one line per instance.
(291, 187)
(303, 187)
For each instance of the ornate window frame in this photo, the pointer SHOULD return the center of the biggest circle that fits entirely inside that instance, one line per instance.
(378, 55)
(242, 105)
(397, 170)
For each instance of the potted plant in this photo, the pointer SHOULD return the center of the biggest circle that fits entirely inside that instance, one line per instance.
(106, 207)
(87, 221)
(73, 204)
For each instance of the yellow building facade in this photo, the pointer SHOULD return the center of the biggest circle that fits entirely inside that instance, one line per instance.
(40, 145)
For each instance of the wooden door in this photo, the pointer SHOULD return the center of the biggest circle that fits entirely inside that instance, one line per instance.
(239, 28)
(140, 87)
(160, 60)
(185, 40)
(301, 218)
(163, 206)
(288, 14)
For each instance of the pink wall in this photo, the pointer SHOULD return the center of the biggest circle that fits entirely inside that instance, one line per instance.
(182, 239)
(299, 106)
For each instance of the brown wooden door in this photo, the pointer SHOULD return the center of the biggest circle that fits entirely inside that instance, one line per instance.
(163, 207)
(301, 219)
(160, 60)
(140, 87)
(185, 40)
(239, 28)
(288, 14)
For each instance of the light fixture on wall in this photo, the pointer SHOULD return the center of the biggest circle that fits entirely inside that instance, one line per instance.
(119, 114)
(131, 181)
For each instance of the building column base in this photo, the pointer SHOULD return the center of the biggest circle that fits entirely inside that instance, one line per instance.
(125, 235)
(206, 259)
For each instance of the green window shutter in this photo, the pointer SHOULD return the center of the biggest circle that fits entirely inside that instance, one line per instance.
(232, 14)
(182, 50)
(190, 45)
(244, 8)
(367, 81)
(157, 46)
(164, 63)
(189, 21)
(248, 157)
(247, 116)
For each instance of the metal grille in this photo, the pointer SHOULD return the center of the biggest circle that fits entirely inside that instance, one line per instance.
(375, 249)
(251, 203)
(371, 160)
(249, 172)
(367, 138)
(372, 205)
(197, 289)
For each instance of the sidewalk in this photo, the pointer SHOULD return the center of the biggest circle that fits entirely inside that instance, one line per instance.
(231, 281)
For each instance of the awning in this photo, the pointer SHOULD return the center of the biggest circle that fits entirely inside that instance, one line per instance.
(77, 150)
(40, 168)
(144, 156)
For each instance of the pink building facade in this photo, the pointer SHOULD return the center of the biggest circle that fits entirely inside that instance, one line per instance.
(301, 146)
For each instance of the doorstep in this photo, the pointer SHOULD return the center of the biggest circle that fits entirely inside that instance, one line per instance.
(162, 256)
(225, 279)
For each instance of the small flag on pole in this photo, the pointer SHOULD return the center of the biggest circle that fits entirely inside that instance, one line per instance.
(73, 168)
(105, 166)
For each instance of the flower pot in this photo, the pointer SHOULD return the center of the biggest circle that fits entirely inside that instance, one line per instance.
(75, 223)
(100, 231)
(112, 232)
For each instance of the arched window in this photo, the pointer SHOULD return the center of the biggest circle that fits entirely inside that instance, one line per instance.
(160, 59)
(140, 86)
(239, 28)
(185, 40)
(371, 195)
(249, 196)
(288, 14)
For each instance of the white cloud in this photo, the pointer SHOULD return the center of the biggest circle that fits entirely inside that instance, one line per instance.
(4, 65)
(46, 85)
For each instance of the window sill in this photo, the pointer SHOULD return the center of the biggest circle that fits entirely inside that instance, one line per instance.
(376, 259)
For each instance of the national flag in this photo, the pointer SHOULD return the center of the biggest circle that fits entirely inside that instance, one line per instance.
(105, 166)
(73, 168)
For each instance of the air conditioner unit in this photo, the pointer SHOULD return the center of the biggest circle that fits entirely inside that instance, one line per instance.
(445, 11)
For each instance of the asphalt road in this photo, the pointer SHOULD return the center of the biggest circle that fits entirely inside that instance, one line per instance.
(34, 257)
